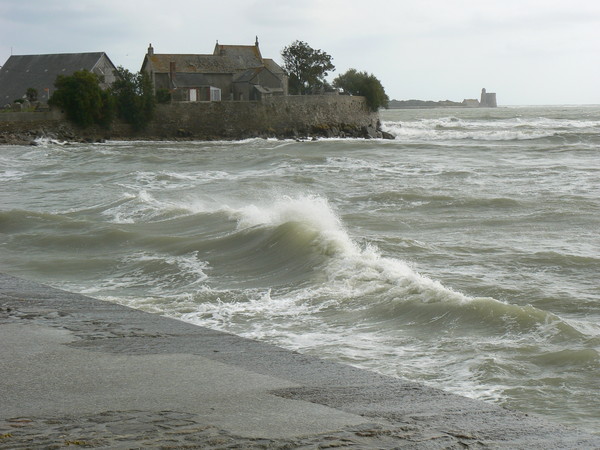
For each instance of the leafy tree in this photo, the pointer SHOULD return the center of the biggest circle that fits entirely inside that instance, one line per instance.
(305, 67)
(84, 102)
(134, 97)
(364, 84)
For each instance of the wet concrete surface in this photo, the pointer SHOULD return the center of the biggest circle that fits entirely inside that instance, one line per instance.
(77, 371)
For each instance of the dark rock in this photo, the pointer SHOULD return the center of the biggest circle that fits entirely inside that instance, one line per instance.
(183, 133)
(369, 132)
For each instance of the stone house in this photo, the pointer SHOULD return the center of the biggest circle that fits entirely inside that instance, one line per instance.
(230, 73)
(21, 72)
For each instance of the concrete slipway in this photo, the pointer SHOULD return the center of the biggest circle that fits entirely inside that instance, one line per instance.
(77, 371)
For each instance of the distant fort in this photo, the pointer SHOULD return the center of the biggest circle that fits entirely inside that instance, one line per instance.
(488, 100)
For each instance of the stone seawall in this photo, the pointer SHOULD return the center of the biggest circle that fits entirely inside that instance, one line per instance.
(292, 116)
(283, 117)
(26, 117)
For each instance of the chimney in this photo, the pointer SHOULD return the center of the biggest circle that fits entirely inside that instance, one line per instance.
(150, 50)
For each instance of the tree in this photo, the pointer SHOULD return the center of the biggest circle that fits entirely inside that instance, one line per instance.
(82, 99)
(305, 67)
(134, 97)
(364, 84)
(31, 94)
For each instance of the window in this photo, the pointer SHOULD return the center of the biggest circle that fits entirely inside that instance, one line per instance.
(215, 94)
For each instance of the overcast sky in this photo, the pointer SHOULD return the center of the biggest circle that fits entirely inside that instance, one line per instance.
(527, 51)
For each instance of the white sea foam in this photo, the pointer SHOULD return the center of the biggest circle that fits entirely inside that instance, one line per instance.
(188, 270)
(140, 205)
(441, 130)
(46, 141)
(449, 128)
(11, 175)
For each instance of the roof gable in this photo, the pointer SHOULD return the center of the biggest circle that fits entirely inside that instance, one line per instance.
(244, 56)
(250, 74)
(273, 67)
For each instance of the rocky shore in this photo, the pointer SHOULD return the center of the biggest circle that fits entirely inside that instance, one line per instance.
(66, 133)
(295, 117)
(80, 372)
(62, 133)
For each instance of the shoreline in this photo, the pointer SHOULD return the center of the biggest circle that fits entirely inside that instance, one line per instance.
(81, 371)
(66, 134)
(289, 117)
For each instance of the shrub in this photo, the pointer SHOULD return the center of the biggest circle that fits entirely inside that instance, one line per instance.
(364, 84)
(82, 99)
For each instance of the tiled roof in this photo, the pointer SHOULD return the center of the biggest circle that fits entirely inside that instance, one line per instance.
(190, 63)
(225, 59)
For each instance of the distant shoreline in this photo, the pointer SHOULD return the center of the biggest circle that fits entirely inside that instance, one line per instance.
(427, 104)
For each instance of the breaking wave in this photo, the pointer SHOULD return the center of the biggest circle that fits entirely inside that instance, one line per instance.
(454, 129)
(293, 256)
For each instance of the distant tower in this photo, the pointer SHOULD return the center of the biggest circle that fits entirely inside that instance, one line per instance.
(488, 99)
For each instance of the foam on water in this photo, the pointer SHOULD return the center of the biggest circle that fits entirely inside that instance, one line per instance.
(46, 141)
(451, 129)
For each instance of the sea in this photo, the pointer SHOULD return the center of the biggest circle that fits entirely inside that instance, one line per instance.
(463, 254)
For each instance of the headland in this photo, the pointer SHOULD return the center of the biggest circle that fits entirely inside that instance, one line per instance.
(283, 117)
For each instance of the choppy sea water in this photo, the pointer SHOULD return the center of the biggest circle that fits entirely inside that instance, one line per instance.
(464, 254)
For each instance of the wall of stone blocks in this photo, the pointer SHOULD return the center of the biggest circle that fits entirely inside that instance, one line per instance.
(275, 115)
